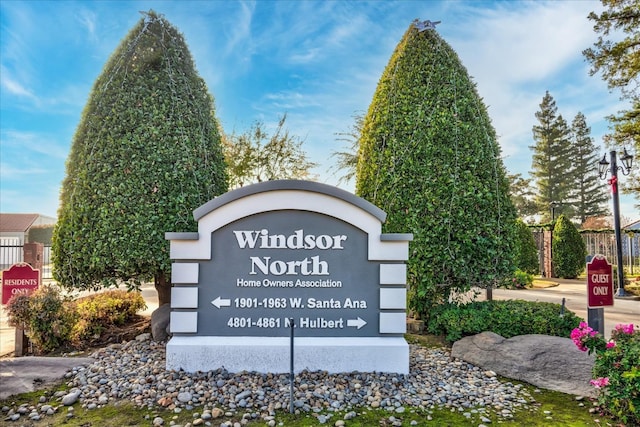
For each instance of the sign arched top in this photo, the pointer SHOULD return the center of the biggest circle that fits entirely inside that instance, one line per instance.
(284, 195)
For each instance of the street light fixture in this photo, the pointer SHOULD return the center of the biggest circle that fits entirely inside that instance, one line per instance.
(603, 167)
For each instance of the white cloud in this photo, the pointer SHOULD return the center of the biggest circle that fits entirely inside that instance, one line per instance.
(239, 30)
(20, 171)
(529, 43)
(87, 19)
(286, 101)
(9, 83)
(16, 143)
(517, 51)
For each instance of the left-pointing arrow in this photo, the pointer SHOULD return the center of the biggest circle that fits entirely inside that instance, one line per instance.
(220, 302)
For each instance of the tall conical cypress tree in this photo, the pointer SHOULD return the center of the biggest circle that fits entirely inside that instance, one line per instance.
(428, 156)
(146, 152)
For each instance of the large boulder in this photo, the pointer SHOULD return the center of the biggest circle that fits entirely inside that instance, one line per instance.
(545, 361)
(160, 322)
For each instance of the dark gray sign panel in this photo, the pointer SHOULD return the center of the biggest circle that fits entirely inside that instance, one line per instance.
(273, 266)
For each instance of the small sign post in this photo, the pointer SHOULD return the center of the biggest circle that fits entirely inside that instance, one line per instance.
(19, 279)
(599, 291)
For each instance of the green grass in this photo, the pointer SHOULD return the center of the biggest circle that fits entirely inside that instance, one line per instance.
(547, 408)
(563, 410)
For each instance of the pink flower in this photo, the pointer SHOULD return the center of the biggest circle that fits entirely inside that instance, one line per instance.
(625, 329)
(611, 344)
(600, 382)
(581, 334)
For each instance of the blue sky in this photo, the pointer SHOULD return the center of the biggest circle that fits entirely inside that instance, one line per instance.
(317, 61)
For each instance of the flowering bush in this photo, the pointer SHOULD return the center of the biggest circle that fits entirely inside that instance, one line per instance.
(616, 370)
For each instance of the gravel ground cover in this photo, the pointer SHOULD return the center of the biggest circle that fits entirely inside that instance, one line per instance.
(135, 371)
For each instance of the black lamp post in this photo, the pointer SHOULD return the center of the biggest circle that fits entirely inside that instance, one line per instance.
(553, 206)
(603, 168)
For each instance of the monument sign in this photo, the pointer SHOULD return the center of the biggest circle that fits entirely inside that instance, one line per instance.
(278, 251)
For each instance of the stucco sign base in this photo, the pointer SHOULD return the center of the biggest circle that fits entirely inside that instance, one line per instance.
(272, 354)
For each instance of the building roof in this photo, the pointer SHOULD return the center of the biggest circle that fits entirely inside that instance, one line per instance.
(634, 226)
(16, 221)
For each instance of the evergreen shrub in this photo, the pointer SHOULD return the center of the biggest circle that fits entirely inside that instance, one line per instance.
(147, 152)
(520, 280)
(505, 318)
(569, 249)
(41, 233)
(526, 258)
(429, 157)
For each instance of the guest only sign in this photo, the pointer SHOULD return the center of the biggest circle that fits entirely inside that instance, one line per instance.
(289, 251)
(599, 282)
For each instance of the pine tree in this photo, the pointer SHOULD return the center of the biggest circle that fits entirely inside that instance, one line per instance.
(522, 195)
(551, 159)
(146, 153)
(618, 59)
(429, 157)
(588, 195)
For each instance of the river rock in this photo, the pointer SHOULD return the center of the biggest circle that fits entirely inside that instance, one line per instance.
(71, 398)
(160, 322)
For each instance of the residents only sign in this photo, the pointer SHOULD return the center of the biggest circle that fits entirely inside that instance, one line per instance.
(599, 282)
(19, 279)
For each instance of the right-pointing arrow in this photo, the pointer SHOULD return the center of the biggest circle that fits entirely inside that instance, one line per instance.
(359, 323)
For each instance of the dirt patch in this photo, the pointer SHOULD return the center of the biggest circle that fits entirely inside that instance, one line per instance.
(116, 334)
